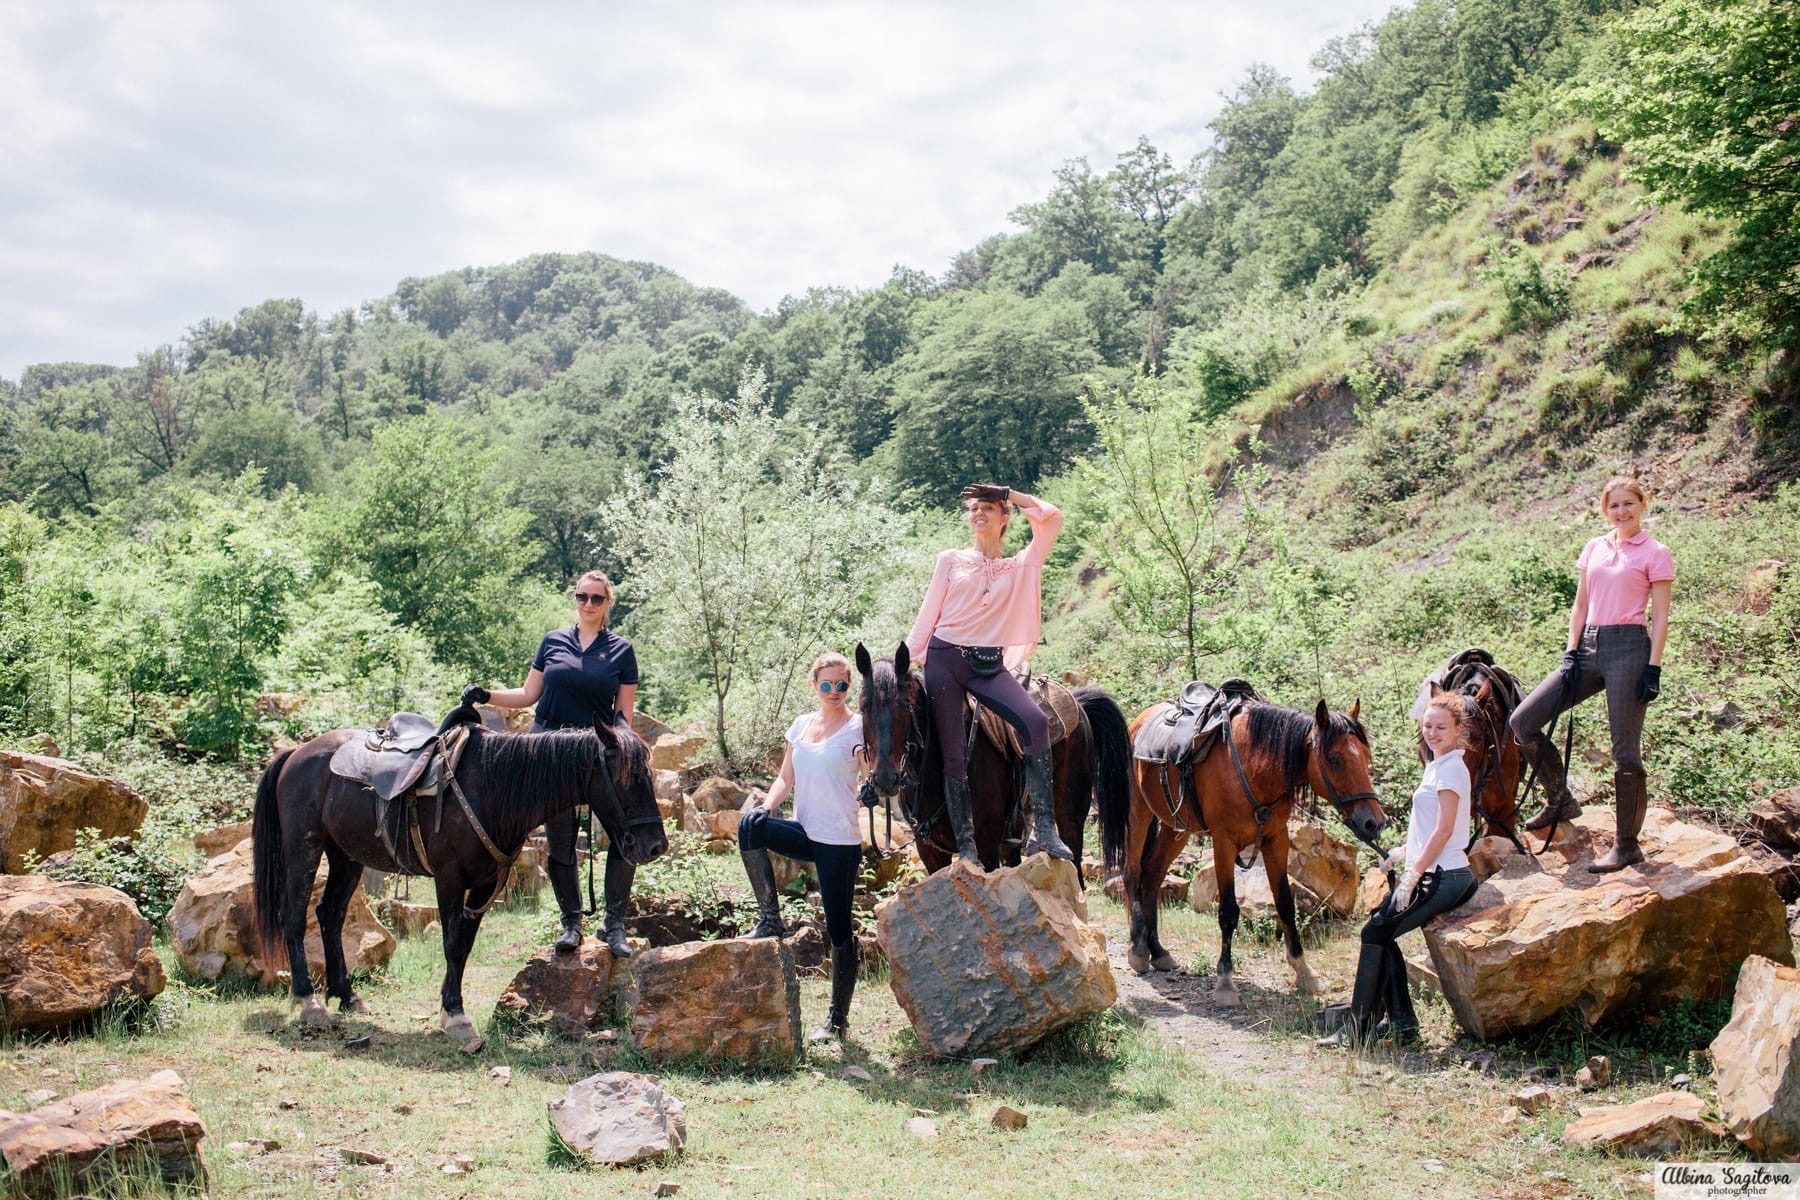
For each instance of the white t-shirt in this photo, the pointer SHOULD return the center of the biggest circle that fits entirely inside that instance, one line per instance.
(825, 779)
(1447, 772)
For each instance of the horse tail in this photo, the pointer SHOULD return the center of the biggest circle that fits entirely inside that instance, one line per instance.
(1112, 769)
(269, 867)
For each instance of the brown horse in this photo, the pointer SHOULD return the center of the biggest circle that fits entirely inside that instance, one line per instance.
(512, 782)
(906, 762)
(1245, 790)
(1489, 695)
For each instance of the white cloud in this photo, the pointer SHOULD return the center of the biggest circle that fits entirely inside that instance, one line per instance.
(172, 162)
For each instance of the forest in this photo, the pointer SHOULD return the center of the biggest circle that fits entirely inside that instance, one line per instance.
(1323, 405)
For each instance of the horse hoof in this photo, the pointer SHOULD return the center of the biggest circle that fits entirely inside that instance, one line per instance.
(1306, 981)
(1225, 996)
(313, 1013)
(1164, 962)
(356, 1004)
(460, 1029)
(1140, 963)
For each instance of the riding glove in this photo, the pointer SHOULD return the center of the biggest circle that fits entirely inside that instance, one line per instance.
(475, 694)
(868, 797)
(1571, 662)
(1403, 891)
(1394, 858)
(1649, 685)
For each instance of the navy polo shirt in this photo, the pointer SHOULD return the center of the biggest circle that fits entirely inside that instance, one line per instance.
(578, 684)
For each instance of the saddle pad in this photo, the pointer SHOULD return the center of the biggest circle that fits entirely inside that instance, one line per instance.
(1058, 703)
(389, 773)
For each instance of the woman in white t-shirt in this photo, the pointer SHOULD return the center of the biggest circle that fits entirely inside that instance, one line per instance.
(1436, 880)
(822, 768)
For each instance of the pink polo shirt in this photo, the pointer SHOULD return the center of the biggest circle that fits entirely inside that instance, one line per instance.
(976, 601)
(1619, 575)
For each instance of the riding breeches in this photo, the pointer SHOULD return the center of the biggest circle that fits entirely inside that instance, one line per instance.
(1613, 658)
(838, 866)
(948, 684)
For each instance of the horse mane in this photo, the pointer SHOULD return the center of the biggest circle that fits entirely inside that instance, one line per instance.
(521, 768)
(1282, 738)
(883, 686)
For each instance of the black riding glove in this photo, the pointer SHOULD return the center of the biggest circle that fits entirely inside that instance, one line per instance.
(868, 797)
(475, 694)
(1571, 662)
(1649, 685)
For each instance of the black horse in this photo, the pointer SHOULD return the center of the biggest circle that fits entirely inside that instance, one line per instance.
(512, 782)
(1092, 761)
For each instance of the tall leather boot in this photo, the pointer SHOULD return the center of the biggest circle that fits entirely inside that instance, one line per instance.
(768, 902)
(1402, 1022)
(565, 885)
(1628, 787)
(1559, 805)
(956, 801)
(843, 984)
(1367, 999)
(1043, 836)
(619, 875)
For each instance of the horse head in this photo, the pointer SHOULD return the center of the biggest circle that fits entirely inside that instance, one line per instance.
(622, 794)
(886, 707)
(1339, 771)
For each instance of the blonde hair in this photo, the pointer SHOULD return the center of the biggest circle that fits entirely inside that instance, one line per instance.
(1452, 706)
(611, 592)
(1629, 484)
(830, 658)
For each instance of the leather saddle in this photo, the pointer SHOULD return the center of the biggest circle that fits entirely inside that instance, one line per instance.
(405, 763)
(1183, 732)
(1053, 696)
(1475, 665)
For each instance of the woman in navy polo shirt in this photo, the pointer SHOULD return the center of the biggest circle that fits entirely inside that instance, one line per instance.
(579, 674)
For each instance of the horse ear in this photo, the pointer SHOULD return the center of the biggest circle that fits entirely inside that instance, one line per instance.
(1356, 709)
(1435, 689)
(609, 737)
(1486, 691)
(902, 661)
(1322, 715)
(863, 663)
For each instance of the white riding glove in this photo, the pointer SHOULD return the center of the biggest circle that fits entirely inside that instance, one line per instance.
(1394, 858)
(1403, 891)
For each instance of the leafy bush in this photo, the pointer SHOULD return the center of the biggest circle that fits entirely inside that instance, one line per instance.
(149, 870)
(1534, 296)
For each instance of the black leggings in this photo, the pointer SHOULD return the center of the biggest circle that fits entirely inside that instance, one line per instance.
(1439, 891)
(948, 683)
(838, 866)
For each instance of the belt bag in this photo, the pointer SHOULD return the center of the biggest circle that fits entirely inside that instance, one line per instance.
(984, 660)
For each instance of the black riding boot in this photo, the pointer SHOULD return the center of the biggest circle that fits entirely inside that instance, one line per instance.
(1628, 788)
(1367, 998)
(1043, 836)
(956, 800)
(768, 902)
(1559, 805)
(1402, 1022)
(619, 874)
(566, 887)
(843, 983)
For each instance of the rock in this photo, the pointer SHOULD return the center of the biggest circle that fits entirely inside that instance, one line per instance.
(1782, 871)
(1756, 1061)
(978, 1065)
(502, 1074)
(619, 1118)
(1599, 1069)
(922, 1127)
(859, 1074)
(68, 950)
(569, 992)
(676, 751)
(1486, 857)
(1661, 1126)
(1543, 935)
(1775, 821)
(1324, 866)
(1372, 890)
(149, 1120)
(717, 825)
(668, 1187)
(45, 802)
(647, 726)
(1587, 1081)
(405, 918)
(42, 744)
(1725, 715)
(1008, 1118)
(1506, 1118)
(1760, 583)
(985, 961)
(213, 842)
(40, 1097)
(731, 1000)
(669, 796)
(214, 930)
(1681, 1082)
(789, 871)
(719, 795)
(1174, 890)
(1530, 1100)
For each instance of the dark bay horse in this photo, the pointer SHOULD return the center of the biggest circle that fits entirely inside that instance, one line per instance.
(1091, 761)
(512, 781)
(1282, 751)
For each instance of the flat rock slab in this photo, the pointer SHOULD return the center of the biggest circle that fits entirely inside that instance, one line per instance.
(132, 1123)
(994, 961)
(568, 992)
(619, 1118)
(45, 802)
(1756, 1061)
(213, 925)
(733, 1000)
(1660, 1126)
(68, 950)
(1543, 935)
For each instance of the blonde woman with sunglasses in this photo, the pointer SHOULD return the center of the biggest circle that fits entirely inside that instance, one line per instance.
(581, 673)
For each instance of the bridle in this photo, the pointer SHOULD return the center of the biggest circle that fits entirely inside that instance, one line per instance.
(1340, 802)
(912, 758)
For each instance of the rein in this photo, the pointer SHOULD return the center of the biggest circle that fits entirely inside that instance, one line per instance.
(1340, 802)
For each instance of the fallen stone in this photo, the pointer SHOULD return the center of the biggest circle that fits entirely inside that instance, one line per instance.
(1681, 1082)
(1775, 821)
(717, 794)
(978, 1065)
(131, 1120)
(1324, 866)
(1782, 871)
(1175, 889)
(68, 950)
(1008, 1118)
(736, 1000)
(1756, 1061)
(214, 930)
(405, 918)
(619, 1118)
(1599, 1069)
(570, 993)
(1543, 935)
(46, 802)
(1530, 1100)
(857, 1073)
(668, 1187)
(676, 751)
(1586, 1080)
(985, 961)
(1506, 1118)
(503, 1075)
(1661, 1126)
(921, 1127)
(223, 840)
(362, 1158)
(465, 1161)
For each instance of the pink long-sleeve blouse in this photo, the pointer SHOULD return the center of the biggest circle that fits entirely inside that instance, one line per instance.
(978, 601)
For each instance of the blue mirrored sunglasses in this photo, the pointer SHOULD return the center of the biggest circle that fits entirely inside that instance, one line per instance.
(840, 687)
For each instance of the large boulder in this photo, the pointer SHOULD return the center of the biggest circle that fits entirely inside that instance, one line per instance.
(568, 992)
(1322, 870)
(1661, 1126)
(67, 950)
(213, 925)
(989, 961)
(1543, 935)
(676, 751)
(222, 840)
(619, 1118)
(734, 1000)
(103, 1131)
(717, 794)
(1756, 1061)
(1775, 821)
(45, 802)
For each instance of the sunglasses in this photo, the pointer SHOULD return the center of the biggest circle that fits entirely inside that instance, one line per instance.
(840, 687)
(595, 598)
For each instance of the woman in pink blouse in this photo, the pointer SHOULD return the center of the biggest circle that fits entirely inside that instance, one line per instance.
(1616, 632)
(980, 621)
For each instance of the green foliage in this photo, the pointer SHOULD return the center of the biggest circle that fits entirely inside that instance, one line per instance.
(1534, 295)
(150, 871)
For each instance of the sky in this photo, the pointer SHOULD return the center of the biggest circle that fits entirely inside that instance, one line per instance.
(173, 160)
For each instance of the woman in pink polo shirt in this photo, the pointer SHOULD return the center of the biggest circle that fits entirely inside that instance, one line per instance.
(980, 621)
(1616, 632)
